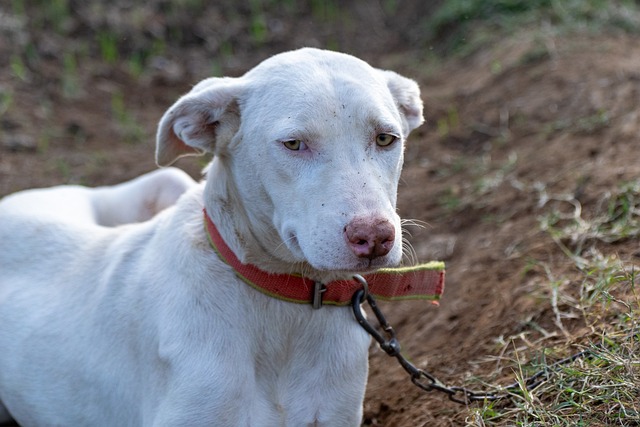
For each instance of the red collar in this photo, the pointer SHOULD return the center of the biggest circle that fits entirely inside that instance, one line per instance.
(423, 281)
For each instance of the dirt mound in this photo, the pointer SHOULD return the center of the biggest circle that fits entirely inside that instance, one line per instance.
(512, 132)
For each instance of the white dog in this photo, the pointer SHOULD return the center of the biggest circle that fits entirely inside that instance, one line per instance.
(111, 316)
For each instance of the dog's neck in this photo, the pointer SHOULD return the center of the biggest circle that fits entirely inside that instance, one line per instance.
(424, 281)
(228, 212)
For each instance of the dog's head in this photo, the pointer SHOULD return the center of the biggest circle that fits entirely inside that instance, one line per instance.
(313, 142)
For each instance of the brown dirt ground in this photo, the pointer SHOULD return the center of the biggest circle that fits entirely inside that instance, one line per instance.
(519, 119)
(535, 124)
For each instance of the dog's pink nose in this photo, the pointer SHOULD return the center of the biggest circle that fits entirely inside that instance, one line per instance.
(370, 237)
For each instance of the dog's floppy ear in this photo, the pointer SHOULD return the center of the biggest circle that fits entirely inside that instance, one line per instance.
(406, 93)
(192, 125)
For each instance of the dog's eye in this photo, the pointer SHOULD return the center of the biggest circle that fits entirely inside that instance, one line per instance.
(385, 139)
(294, 144)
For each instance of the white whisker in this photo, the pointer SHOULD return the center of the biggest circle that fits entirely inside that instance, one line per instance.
(409, 252)
(415, 223)
(283, 243)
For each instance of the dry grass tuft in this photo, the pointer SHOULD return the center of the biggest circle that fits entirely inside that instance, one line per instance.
(596, 307)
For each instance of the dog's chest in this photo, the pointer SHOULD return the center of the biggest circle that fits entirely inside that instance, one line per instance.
(310, 366)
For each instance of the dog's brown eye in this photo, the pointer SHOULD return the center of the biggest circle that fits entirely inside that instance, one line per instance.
(294, 144)
(385, 139)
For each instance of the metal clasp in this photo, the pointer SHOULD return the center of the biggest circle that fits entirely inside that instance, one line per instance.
(390, 343)
(365, 286)
(318, 289)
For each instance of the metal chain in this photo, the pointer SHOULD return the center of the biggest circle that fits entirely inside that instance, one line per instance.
(425, 380)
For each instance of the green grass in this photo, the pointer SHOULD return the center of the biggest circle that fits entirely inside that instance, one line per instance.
(6, 100)
(596, 306)
(18, 68)
(462, 26)
(129, 128)
(586, 125)
(70, 87)
(616, 218)
(108, 43)
(599, 389)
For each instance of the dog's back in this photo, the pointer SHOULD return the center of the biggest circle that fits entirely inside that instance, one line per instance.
(64, 328)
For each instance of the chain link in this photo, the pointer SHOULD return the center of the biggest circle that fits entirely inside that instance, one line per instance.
(424, 380)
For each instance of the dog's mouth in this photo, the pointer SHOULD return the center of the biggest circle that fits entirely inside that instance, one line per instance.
(346, 272)
(371, 265)
(359, 247)
(348, 264)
